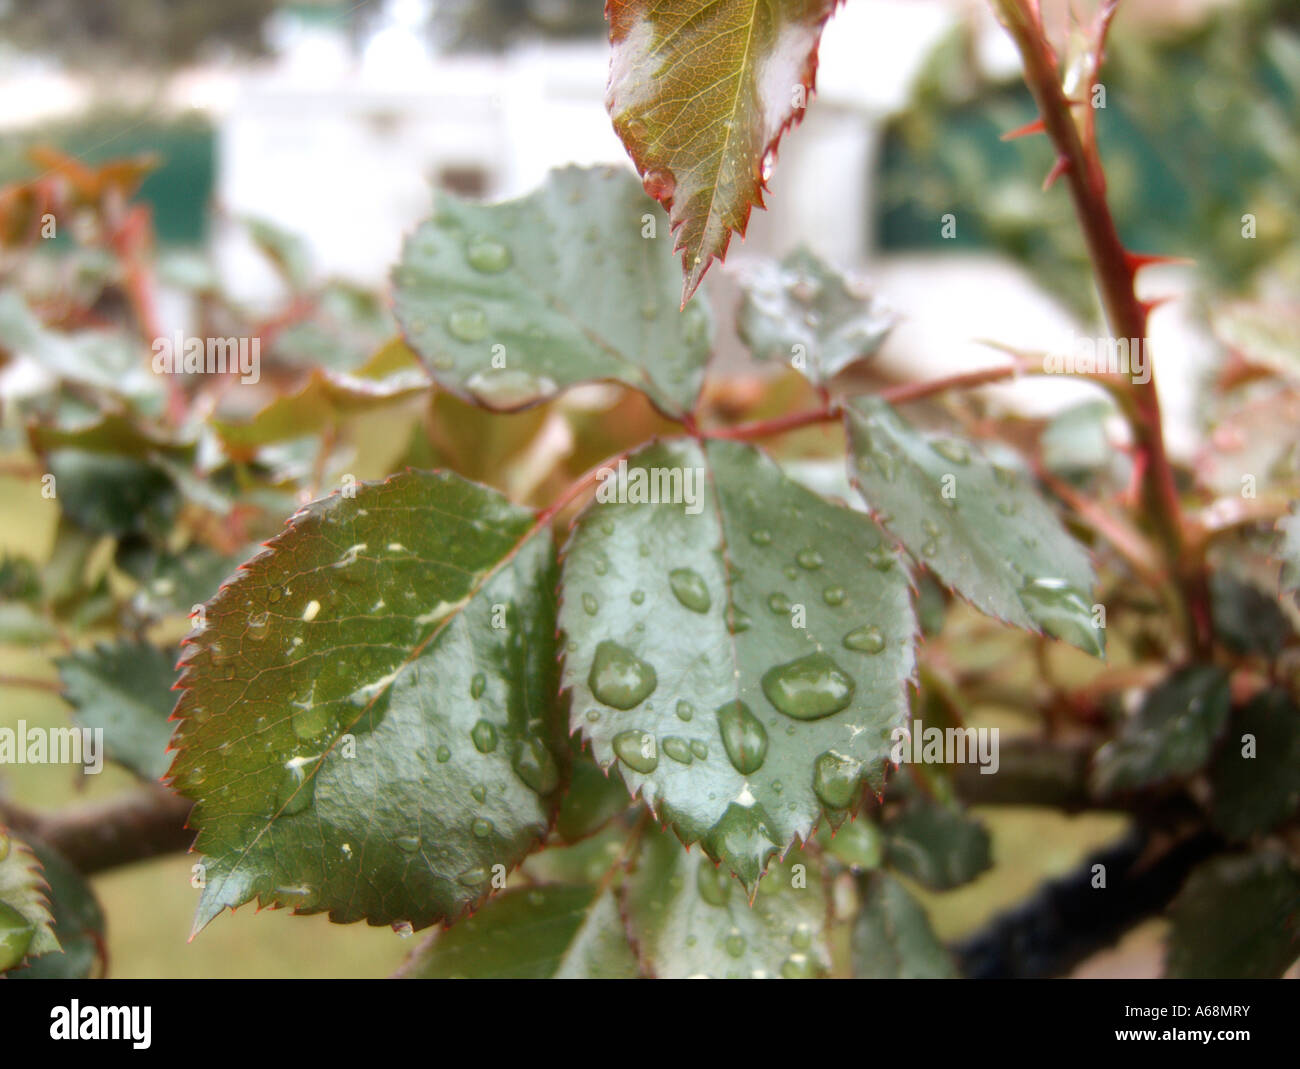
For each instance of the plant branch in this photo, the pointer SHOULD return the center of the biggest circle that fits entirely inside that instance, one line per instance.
(1115, 270)
(144, 824)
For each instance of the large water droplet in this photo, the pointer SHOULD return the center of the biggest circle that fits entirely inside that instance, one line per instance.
(481, 828)
(619, 678)
(779, 603)
(590, 605)
(408, 844)
(1063, 612)
(685, 710)
(484, 735)
(678, 749)
(477, 685)
(296, 787)
(468, 322)
(735, 943)
(952, 449)
(713, 885)
(637, 750)
(743, 736)
(659, 184)
(798, 967)
(509, 387)
(835, 778)
(761, 537)
(809, 559)
(866, 639)
(833, 595)
(808, 688)
(690, 589)
(487, 256)
(536, 767)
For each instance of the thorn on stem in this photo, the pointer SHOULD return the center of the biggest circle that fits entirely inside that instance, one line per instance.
(1059, 168)
(1035, 127)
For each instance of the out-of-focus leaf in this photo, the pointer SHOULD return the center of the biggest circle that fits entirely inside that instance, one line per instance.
(936, 845)
(892, 938)
(1256, 775)
(368, 722)
(78, 923)
(982, 528)
(1289, 549)
(102, 359)
(700, 95)
(107, 494)
(26, 924)
(287, 251)
(742, 654)
(1238, 916)
(594, 797)
(1246, 619)
(857, 843)
(803, 313)
(125, 690)
(688, 918)
(1076, 440)
(1171, 735)
(325, 399)
(1261, 334)
(508, 304)
(533, 933)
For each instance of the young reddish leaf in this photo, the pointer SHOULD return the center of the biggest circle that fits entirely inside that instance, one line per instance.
(700, 95)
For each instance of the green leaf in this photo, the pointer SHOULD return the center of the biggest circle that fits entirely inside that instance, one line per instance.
(593, 798)
(700, 95)
(688, 918)
(125, 690)
(1255, 775)
(802, 312)
(935, 845)
(1170, 736)
(858, 844)
(981, 527)
(105, 360)
(78, 923)
(892, 938)
(115, 495)
(1289, 550)
(533, 933)
(1247, 620)
(508, 304)
(26, 924)
(368, 724)
(1237, 917)
(687, 663)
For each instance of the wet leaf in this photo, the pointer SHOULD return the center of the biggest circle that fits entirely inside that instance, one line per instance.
(802, 312)
(742, 654)
(980, 527)
(26, 923)
(368, 721)
(78, 923)
(508, 304)
(688, 918)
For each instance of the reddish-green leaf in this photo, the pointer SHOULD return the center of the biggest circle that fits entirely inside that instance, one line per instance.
(369, 725)
(700, 94)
